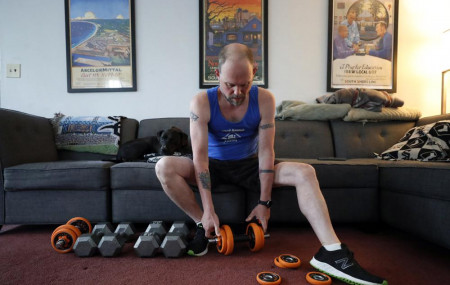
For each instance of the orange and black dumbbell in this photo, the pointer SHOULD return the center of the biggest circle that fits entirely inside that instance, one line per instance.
(254, 235)
(64, 237)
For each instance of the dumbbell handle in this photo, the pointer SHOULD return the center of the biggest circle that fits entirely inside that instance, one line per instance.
(236, 238)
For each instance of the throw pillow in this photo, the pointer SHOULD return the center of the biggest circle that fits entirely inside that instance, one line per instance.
(87, 133)
(296, 110)
(386, 114)
(425, 143)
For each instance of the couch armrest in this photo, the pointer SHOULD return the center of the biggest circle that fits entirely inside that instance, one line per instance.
(432, 119)
(25, 138)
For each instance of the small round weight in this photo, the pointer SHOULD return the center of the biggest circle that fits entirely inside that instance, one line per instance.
(318, 278)
(268, 278)
(277, 263)
(64, 237)
(289, 261)
(228, 239)
(81, 223)
(256, 234)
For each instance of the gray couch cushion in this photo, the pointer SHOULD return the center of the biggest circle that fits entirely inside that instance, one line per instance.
(60, 175)
(361, 140)
(25, 138)
(303, 139)
(149, 127)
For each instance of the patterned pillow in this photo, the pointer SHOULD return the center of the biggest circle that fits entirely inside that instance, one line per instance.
(87, 133)
(425, 143)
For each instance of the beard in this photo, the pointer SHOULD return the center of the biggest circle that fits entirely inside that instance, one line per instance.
(235, 100)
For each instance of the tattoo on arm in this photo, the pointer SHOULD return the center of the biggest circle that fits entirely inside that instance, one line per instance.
(267, 171)
(194, 117)
(205, 179)
(267, 126)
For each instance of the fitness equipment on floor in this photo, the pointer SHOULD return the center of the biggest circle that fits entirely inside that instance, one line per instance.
(254, 235)
(149, 242)
(87, 244)
(266, 277)
(111, 244)
(63, 237)
(287, 261)
(175, 244)
(318, 278)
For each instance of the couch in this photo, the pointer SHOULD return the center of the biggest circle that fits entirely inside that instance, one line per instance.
(40, 184)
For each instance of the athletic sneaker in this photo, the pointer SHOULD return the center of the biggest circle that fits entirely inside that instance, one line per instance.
(199, 245)
(340, 264)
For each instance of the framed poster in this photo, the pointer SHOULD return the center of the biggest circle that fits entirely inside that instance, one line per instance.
(224, 22)
(100, 46)
(362, 44)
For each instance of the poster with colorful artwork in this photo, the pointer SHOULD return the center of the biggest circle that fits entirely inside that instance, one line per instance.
(362, 44)
(224, 22)
(100, 45)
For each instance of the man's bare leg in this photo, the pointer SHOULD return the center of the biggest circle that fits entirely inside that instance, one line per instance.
(310, 198)
(175, 175)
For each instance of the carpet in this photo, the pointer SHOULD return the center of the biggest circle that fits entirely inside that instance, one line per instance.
(26, 257)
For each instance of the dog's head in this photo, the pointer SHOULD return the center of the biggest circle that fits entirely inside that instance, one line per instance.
(172, 140)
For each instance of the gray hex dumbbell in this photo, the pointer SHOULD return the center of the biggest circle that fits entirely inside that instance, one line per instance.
(111, 244)
(175, 244)
(148, 243)
(87, 244)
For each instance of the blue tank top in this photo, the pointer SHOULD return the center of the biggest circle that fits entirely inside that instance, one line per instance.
(232, 141)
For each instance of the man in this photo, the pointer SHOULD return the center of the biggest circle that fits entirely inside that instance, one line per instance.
(340, 48)
(352, 40)
(247, 160)
(384, 46)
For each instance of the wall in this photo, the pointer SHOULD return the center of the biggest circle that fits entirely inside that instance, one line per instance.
(32, 33)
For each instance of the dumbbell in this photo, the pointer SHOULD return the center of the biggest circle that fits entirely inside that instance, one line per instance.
(87, 244)
(175, 244)
(111, 244)
(149, 242)
(254, 235)
(64, 236)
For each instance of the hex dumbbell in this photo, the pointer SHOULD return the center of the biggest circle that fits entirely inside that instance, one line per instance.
(63, 237)
(87, 244)
(149, 242)
(111, 244)
(254, 235)
(175, 244)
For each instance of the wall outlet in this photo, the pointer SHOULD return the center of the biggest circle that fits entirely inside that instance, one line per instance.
(13, 70)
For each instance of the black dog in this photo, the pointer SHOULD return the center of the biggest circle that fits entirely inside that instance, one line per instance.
(166, 142)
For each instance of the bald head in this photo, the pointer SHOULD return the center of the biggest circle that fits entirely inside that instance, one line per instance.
(235, 52)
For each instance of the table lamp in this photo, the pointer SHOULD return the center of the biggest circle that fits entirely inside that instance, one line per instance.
(445, 73)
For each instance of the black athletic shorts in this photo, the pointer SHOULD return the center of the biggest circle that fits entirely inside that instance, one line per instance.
(243, 173)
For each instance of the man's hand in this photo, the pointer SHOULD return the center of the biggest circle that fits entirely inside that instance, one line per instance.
(262, 214)
(211, 224)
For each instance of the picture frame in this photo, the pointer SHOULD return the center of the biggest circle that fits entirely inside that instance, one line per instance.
(362, 44)
(232, 21)
(100, 46)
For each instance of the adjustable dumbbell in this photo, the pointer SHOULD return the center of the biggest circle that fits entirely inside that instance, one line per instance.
(64, 236)
(175, 244)
(111, 244)
(149, 242)
(254, 235)
(87, 244)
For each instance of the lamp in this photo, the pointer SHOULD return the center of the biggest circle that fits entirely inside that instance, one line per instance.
(445, 73)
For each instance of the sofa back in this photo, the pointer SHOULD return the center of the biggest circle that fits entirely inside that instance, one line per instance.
(25, 138)
(362, 140)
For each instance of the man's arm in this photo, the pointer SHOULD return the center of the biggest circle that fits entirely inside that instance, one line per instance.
(199, 118)
(266, 154)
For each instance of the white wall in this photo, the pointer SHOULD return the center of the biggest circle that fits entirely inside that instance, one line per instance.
(32, 33)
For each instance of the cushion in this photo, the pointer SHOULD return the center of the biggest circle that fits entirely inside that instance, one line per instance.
(386, 114)
(296, 110)
(58, 175)
(424, 143)
(87, 133)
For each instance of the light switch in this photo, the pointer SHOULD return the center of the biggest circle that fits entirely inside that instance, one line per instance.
(13, 70)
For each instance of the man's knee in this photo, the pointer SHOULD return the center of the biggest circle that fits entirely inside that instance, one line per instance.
(306, 172)
(162, 168)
